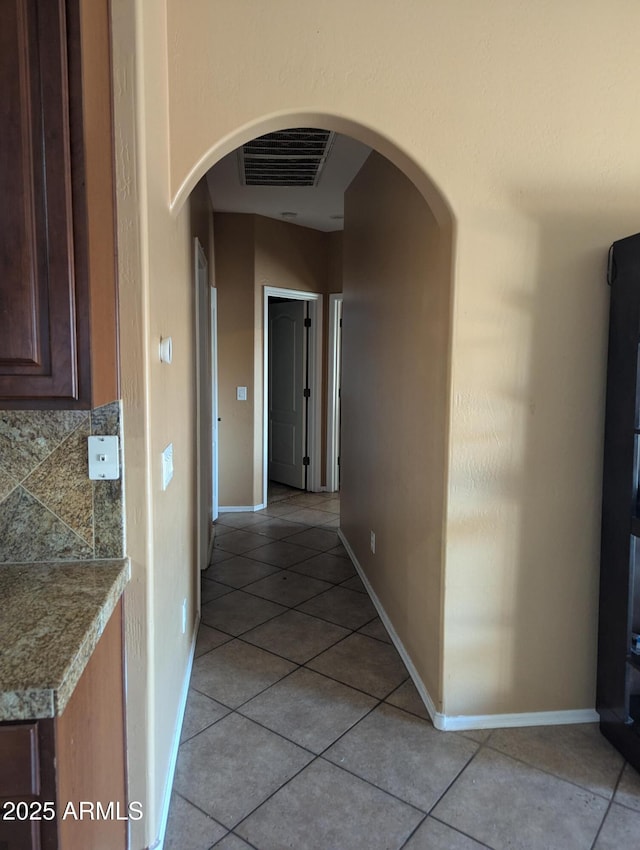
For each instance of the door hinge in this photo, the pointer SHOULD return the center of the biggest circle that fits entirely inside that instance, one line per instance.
(340, 322)
(307, 322)
(338, 460)
(305, 461)
(306, 393)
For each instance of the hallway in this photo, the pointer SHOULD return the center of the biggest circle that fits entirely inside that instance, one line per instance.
(303, 729)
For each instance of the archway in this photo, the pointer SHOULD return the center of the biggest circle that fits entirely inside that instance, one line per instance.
(397, 399)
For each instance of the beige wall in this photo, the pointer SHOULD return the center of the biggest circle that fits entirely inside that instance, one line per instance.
(235, 269)
(509, 116)
(394, 403)
(515, 121)
(253, 252)
(156, 276)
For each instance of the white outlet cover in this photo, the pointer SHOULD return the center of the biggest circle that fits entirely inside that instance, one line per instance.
(104, 458)
(167, 466)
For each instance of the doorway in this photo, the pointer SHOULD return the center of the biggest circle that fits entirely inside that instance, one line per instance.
(206, 343)
(292, 399)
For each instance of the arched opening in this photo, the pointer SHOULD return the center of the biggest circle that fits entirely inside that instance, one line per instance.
(395, 250)
(312, 600)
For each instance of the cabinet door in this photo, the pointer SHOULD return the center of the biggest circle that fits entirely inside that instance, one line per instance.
(20, 835)
(44, 351)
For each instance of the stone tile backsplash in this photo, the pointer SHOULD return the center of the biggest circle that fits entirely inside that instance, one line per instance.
(49, 509)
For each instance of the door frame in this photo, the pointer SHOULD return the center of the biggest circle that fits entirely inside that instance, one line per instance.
(213, 326)
(202, 292)
(314, 412)
(334, 381)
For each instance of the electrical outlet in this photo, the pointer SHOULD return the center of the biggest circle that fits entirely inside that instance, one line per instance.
(184, 616)
(373, 542)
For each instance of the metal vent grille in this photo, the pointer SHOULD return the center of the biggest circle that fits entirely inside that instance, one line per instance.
(287, 158)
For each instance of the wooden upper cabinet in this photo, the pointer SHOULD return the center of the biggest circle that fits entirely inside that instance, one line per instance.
(44, 287)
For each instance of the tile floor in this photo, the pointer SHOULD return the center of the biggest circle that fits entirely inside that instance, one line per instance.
(303, 729)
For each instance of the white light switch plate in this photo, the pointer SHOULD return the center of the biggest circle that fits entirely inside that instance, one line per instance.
(241, 393)
(104, 458)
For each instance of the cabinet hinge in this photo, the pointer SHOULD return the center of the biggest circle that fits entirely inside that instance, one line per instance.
(307, 322)
(305, 461)
(306, 392)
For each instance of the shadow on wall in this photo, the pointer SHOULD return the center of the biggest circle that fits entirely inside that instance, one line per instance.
(540, 340)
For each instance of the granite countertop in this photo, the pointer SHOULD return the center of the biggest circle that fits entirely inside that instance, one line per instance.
(51, 618)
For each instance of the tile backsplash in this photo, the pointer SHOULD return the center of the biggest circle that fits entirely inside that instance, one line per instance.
(49, 509)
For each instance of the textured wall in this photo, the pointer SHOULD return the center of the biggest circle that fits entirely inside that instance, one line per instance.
(49, 509)
(395, 360)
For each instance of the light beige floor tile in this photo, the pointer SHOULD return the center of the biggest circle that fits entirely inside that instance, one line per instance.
(375, 629)
(332, 505)
(363, 663)
(621, 830)
(210, 589)
(402, 754)
(306, 499)
(334, 522)
(281, 554)
(479, 735)
(327, 567)
(201, 712)
(190, 829)
(315, 538)
(354, 583)
(324, 808)
(238, 542)
(408, 698)
(276, 509)
(275, 528)
(578, 754)
(433, 835)
(308, 516)
(233, 766)
(208, 639)
(232, 842)
(309, 709)
(219, 555)
(235, 672)
(296, 636)
(347, 608)
(238, 571)
(239, 519)
(287, 588)
(628, 793)
(237, 612)
(510, 805)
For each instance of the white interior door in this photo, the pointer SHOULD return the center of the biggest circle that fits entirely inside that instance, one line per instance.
(287, 383)
(334, 393)
(214, 404)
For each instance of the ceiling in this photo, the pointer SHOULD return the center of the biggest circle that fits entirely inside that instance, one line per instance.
(320, 206)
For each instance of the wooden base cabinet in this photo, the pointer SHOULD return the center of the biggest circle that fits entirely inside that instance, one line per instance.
(62, 781)
(618, 692)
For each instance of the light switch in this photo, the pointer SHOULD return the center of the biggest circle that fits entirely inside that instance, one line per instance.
(241, 393)
(104, 458)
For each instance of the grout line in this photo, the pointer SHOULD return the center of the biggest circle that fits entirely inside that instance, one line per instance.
(195, 806)
(606, 814)
(461, 832)
(523, 761)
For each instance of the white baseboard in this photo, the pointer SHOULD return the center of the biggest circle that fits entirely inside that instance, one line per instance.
(158, 844)
(229, 509)
(461, 723)
(534, 718)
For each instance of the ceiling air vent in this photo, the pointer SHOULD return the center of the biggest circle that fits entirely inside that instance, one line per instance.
(287, 158)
